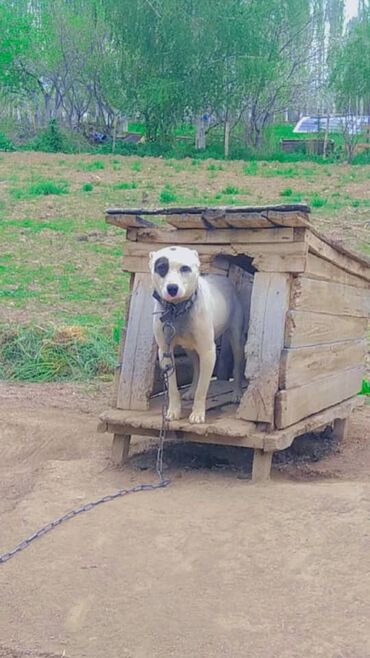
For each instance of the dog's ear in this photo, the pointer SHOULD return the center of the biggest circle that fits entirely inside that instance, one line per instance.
(197, 261)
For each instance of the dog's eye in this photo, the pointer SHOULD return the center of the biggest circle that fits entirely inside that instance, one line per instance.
(185, 268)
(161, 266)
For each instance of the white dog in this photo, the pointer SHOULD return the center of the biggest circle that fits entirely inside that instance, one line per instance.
(196, 309)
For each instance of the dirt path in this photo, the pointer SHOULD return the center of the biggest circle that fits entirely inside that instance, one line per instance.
(211, 566)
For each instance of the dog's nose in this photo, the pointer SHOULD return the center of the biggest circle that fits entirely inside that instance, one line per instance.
(172, 289)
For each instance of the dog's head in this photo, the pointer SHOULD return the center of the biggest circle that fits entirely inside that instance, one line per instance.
(175, 272)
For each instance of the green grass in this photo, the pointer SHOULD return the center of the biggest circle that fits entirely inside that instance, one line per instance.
(32, 353)
(231, 189)
(286, 192)
(42, 187)
(318, 201)
(94, 165)
(136, 166)
(168, 195)
(124, 186)
(87, 187)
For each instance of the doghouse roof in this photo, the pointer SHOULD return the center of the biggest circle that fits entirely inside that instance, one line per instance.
(239, 217)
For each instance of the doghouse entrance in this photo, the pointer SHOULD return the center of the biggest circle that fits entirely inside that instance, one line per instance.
(241, 272)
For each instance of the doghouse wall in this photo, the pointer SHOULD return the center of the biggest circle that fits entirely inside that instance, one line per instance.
(322, 362)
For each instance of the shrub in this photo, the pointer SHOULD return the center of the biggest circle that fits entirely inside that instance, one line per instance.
(49, 140)
(167, 195)
(286, 192)
(230, 189)
(87, 187)
(5, 143)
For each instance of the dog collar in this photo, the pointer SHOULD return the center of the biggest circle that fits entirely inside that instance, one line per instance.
(170, 312)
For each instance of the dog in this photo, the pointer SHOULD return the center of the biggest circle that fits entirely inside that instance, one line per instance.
(192, 310)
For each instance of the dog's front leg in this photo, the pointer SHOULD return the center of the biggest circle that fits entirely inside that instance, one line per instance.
(174, 400)
(206, 365)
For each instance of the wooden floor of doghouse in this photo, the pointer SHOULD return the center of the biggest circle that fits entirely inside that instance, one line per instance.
(221, 424)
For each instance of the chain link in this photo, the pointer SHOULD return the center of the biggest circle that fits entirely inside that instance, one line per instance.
(117, 494)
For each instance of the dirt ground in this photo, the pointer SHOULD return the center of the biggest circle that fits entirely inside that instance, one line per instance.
(210, 566)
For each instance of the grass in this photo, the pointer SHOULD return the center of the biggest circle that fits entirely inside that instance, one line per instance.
(42, 187)
(61, 264)
(32, 353)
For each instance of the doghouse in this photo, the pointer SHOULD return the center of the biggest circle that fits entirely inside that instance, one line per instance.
(307, 299)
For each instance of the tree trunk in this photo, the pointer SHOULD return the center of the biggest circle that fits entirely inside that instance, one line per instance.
(226, 136)
(200, 133)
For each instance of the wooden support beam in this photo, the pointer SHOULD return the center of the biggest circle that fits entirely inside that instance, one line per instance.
(261, 468)
(120, 448)
(216, 236)
(340, 429)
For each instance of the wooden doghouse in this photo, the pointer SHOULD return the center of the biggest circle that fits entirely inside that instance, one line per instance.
(307, 299)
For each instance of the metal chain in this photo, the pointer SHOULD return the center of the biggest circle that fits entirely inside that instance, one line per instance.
(117, 494)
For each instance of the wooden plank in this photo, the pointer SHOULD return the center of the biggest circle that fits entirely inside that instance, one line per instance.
(296, 403)
(217, 236)
(302, 365)
(230, 249)
(330, 298)
(305, 328)
(302, 209)
(276, 263)
(281, 439)
(319, 268)
(128, 221)
(350, 262)
(117, 372)
(237, 220)
(140, 351)
(270, 301)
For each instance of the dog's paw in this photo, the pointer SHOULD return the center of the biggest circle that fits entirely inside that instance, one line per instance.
(197, 417)
(173, 413)
(236, 396)
(188, 395)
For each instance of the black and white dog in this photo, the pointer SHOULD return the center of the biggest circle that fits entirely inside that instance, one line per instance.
(199, 309)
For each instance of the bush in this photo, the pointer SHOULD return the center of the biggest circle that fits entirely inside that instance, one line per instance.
(167, 195)
(87, 187)
(5, 143)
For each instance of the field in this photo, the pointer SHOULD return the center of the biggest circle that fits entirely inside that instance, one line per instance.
(210, 565)
(60, 264)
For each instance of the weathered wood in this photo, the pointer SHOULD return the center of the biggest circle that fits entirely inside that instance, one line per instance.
(338, 255)
(340, 429)
(117, 373)
(128, 221)
(281, 439)
(329, 298)
(231, 249)
(217, 236)
(319, 268)
(261, 468)
(120, 448)
(302, 365)
(210, 211)
(275, 263)
(296, 403)
(140, 351)
(270, 300)
(304, 328)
